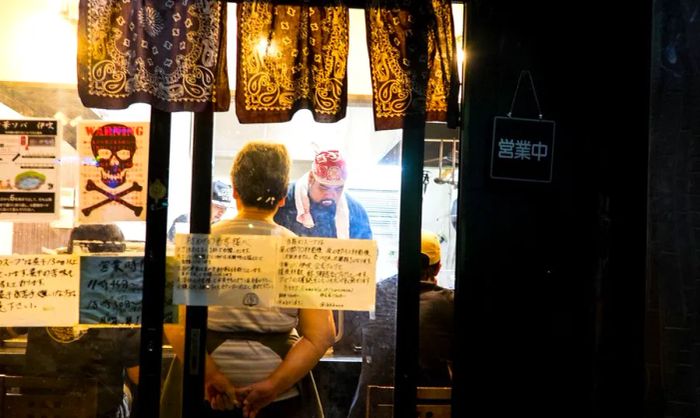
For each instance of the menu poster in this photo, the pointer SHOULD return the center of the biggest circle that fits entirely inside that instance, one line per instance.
(287, 272)
(111, 291)
(327, 273)
(39, 290)
(113, 171)
(29, 170)
(232, 270)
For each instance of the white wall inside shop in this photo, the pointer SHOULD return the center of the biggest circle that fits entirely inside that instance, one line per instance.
(38, 42)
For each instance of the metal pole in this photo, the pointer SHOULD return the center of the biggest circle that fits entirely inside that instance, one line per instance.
(148, 399)
(200, 215)
(412, 151)
(459, 384)
(412, 156)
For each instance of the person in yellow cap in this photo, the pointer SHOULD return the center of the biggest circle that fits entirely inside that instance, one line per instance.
(436, 331)
(436, 318)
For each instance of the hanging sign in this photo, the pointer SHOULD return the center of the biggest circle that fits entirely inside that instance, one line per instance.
(29, 170)
(522, 149)
(113, 171)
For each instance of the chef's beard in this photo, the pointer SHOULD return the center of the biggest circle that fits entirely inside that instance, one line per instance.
(325, 204)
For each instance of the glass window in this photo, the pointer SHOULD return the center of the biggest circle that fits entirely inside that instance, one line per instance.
(365, 340)
(38, 80)
(91, 368)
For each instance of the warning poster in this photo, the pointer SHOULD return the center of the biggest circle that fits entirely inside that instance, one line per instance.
(113, 171)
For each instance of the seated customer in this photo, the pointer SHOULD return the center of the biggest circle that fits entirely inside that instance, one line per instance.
(436, 331)
(221, 201)
(103, 354)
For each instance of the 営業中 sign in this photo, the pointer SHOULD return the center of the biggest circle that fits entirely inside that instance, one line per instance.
(522, 149)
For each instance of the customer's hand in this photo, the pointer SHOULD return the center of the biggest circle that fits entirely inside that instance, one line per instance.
(257, 396)
(220, 392)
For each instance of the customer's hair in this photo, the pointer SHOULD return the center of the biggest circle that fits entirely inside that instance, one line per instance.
(260, 174)
(99, 237)
(428, 271)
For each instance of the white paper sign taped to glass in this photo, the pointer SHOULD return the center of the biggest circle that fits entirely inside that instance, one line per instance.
(522, 149)
(29, 170)
(299, 272)
(39, 290)
(111, 291)
(327, 273)
(113, 171)
(232, 270)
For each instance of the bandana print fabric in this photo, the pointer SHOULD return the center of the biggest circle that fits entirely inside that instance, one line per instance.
(167, 53)
(390, 25)
(329, 168)
(291, 57)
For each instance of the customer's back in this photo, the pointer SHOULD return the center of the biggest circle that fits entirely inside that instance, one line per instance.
(436, 331)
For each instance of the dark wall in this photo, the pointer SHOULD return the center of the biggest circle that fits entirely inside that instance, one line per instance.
(551, 288)
(673, 356)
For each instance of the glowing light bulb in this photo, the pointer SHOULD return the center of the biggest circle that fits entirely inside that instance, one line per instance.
(262, 46)
(265, 48)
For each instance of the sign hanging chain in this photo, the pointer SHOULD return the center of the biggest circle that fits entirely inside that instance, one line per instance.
(534, 92)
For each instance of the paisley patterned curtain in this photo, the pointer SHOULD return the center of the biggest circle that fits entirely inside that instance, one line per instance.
(389, 23)
(291, 57)
(170, 54)
(295, 57)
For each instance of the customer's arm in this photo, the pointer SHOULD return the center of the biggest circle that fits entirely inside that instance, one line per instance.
(318, 333)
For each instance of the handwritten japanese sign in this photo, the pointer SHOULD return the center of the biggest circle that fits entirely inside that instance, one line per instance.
(291, 272)
(234, 270)
(29, 170)
(111, 291)
(39, 290)
(113, 171)
(327, 273)
(523, 149)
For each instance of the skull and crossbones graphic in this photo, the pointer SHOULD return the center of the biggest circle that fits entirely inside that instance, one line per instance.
(113, 147)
